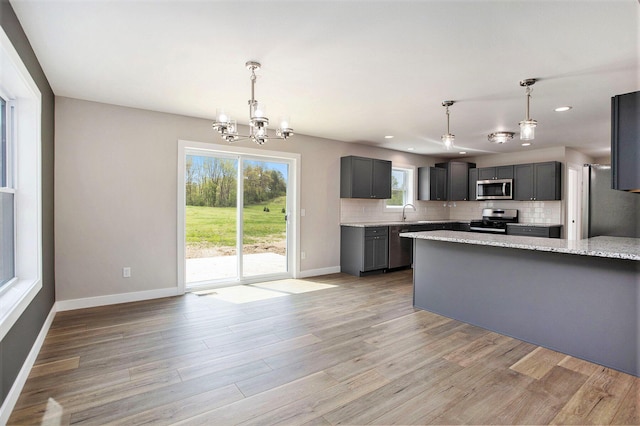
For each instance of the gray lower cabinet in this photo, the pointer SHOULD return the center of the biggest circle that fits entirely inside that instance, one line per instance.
(552, 231)
(363, 249)
(537, 181)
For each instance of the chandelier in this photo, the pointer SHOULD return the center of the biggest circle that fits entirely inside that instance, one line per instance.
(447, 140)
(528, 126)
(258, 122)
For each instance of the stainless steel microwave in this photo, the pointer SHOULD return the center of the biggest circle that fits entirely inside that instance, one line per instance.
(494, 189)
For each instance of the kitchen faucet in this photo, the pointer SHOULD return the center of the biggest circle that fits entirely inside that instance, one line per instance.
(404, 217)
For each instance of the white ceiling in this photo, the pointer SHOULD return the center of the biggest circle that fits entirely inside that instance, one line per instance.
(353, 71)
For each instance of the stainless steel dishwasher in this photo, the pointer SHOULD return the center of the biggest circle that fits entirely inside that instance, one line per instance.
(400, 249)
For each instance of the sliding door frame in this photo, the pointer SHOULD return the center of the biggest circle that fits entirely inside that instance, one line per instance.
(293, 237)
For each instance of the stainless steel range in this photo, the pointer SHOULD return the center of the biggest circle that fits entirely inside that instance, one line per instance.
(494, 220)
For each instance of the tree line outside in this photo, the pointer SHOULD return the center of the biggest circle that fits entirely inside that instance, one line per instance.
(212, 182)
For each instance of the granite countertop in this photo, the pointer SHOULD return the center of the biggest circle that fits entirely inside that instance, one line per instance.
(610, 247)
(409, 222)
(536, 225)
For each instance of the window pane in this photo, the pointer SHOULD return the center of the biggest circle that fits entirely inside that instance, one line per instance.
(398, 188)
(3, 143)
(7, 271)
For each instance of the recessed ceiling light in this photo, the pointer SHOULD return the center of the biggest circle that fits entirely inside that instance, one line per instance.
(410, 149)
(526, 143)
(563, 108)
(389, 137)
(462, 152)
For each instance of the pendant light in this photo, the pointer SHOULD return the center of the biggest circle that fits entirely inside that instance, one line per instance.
(528, 126)
(447, 140)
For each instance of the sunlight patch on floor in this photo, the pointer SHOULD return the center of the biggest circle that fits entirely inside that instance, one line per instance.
(244, 294)
(263, 291)
(294, 286)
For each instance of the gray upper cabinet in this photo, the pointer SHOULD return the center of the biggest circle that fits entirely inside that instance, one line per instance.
(445, 182)
(500, 172)
(473, 178)
(457, 180)
(432, 183)
(537, 181)
(362, 177)
(625, 142)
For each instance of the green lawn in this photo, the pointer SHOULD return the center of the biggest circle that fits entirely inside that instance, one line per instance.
(217, 225)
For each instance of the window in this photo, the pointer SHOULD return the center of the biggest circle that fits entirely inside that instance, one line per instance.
(20, 187)
(401, 187)
(7, 228)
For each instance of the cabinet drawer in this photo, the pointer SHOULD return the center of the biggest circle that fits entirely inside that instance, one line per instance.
(529, 231)
(376, 231)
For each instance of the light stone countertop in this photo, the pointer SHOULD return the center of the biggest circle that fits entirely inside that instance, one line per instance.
(610, 247)
(408, 222)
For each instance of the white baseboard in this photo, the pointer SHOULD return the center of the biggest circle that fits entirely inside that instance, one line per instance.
(321, 271)
(21, 379)
(112, 299)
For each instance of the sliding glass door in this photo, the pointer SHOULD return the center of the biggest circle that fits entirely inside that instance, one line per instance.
(236, 218)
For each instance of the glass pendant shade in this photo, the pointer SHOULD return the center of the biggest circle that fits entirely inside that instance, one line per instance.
(447, 141)
(221, 116)
(528, 130)
(260, 110)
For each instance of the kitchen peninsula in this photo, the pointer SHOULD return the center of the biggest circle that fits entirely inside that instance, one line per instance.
(577, 297)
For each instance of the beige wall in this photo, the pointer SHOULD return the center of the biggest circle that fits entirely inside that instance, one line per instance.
(116, 192)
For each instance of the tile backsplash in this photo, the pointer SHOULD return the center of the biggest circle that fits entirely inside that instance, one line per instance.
(362, 210)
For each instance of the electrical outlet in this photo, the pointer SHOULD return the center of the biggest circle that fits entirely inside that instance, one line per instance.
(126, 272)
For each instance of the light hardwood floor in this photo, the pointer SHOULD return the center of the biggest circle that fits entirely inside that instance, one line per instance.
(356, 353)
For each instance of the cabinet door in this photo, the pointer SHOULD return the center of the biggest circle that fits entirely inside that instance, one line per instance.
(438, 184)
(381, 179)
(361, 172)
(523, 182)
(458, 179)
(486, 173)
(504, 172)
(375, 253)
(473, 178)
(381, 253)
(547, 181)
(369, 254)
(625, 141)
